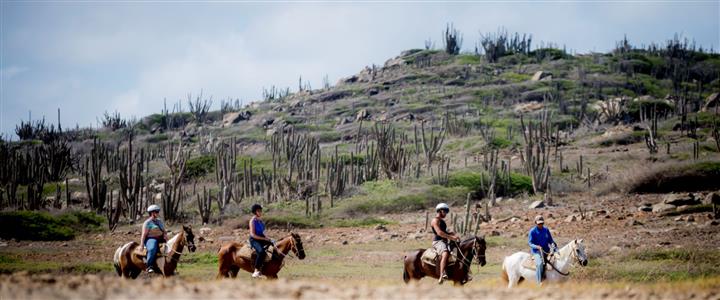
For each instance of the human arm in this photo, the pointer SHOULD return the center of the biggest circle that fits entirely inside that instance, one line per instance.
(143, 236)
(531, 242)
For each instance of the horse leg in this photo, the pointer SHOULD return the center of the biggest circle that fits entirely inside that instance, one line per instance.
(234, 270)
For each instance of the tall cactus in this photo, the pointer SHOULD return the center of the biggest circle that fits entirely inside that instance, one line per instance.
(536, 153)
(95, 180)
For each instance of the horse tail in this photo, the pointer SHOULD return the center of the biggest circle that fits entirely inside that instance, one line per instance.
(406, 275)
(504, 274)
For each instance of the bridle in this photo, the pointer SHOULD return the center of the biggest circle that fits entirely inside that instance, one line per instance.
(294, 249)
(172, 252)
(474, 250)
(573, 254)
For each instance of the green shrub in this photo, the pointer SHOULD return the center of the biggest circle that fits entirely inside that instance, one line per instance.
(683, 177)
(500, 143)
(34, 226)
(199, 166)
(156, 138)
(468, 59)
(479, 182)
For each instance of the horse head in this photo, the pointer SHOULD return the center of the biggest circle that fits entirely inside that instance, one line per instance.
(480, 247)
(297, 246)
(579, 252)
(189, 238)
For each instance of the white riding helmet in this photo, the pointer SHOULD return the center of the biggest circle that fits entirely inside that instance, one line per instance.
(442, 206)
(153, 208)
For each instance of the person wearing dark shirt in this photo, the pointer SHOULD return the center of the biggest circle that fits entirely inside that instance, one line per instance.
(442, 237)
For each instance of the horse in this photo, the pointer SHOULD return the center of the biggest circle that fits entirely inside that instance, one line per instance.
(415, 268)
(557, 268)
(129, 264)
(230, 263)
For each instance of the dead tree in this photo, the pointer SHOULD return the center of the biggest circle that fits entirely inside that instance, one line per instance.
(536, 153)
(132, 165)
(390, 149)
(205, 205)
(95, 180)
(651, 135)
(432, 144)
(175, 158)
(225, 173)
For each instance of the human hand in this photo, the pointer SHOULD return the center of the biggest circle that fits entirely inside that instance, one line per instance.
(272, 241)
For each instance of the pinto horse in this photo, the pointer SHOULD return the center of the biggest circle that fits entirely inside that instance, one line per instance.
(129, 264)
(469, 248)
(230, 263)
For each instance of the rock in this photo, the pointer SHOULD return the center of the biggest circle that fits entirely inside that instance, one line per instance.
(512, 236)
(454, 82)
(235, 117)
(157, 197)
(225, 239)
(494, 233)
(539, 75)
(344, 242)
(3, 244)
(712, 198)
(712, 223)
(633, 222)
(645, 208)
(205, 231)
(64, 244)
(537, 204)
(372, 91)
(570, 218)
(531, 106)
(380, 227)
(266, 122)
(711, 102)
(78, 196)
(615, 249)
(663, 207)
(362, 115)
(690, 219)
(74, 181)
(680, 199)
(347, 80)
(679, 219)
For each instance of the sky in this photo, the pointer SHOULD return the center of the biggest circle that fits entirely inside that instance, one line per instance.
(88, 57)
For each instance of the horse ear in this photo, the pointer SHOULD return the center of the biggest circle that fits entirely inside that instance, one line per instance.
(580, 241)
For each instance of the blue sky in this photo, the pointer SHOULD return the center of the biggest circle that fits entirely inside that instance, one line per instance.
(91, 57)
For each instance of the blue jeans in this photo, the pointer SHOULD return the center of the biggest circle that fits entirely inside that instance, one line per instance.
(538, 266)
(152, 248)
(258, 245)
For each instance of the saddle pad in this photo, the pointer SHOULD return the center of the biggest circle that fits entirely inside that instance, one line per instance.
(162, 251)
(431, 257)
(529, 263)
(247, 252)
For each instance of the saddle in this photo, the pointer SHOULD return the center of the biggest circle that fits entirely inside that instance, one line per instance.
(431, 257)
(248, 252)
(529, 263)
(162, 251)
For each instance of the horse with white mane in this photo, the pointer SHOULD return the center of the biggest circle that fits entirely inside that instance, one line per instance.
(558, 267)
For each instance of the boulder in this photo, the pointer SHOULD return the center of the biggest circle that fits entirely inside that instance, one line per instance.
(663, 207)
(712, 103)
(205, 231)
(680, 199)
(362, 115)
(235, 117)
(570, 218)
(712, 198)
(78, 196)
(645, 208)
(539, 75)
(380, 227)
(537, 204)
(266, 122)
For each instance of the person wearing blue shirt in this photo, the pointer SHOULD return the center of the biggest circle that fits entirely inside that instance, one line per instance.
(540, 240)
(258, 240)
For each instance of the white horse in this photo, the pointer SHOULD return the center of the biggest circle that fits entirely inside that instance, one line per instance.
(574, 252)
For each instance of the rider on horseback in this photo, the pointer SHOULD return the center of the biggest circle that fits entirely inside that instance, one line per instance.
(258, 240)
(540, 240)
(153, 233)
(441, 238)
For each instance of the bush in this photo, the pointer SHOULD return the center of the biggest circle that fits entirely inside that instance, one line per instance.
(479, 182)
(199, 166)
(380, 203)
(686, 177)
(35, 226)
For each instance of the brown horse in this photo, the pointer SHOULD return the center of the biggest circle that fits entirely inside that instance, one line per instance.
(229, 263)
(472, 247)
(129, 264)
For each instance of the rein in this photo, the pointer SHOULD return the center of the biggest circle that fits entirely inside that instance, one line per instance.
(547, 259)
